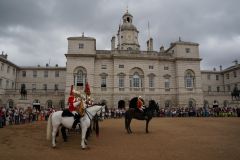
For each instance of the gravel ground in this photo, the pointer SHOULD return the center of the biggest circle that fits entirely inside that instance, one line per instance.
(169, 139)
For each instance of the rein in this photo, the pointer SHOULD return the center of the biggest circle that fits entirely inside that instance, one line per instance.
(90, 115)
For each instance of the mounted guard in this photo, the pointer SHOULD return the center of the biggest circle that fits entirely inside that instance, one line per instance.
(140, 104)
(75, 107)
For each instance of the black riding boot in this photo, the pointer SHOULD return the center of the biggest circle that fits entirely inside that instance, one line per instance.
(76, 121)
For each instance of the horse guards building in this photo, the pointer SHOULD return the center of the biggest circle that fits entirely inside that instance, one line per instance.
(172, 76)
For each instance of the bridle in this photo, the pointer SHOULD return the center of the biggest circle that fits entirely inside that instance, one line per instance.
(90, 116)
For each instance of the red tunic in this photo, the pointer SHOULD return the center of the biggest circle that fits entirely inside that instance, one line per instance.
(70, 103)
(139, 103)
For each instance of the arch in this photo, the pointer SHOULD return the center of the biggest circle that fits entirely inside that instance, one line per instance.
(36, 104)
(121, 104)
(103, 102)
(136, 70)
(168, 104)
(80, 76)
(10, 103)
(191, 103)
(49, 103)
(205, 103)
(121, 74)
(225, 103)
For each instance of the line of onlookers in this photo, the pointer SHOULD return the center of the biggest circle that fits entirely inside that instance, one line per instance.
(15, 116)
(11, 116)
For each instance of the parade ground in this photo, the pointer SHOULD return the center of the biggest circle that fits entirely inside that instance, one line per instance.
(169, 139)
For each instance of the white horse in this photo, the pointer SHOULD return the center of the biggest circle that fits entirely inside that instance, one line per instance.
(56, 119)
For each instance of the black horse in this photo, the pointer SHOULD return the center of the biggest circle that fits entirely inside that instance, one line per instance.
(133, 112)
(236, 93)
(23, 92)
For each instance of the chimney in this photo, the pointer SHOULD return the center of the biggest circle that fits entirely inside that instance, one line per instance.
(220, 67)
(214, 69)
(46, 64)
(56, 65)
(150, 44)
(113, 43)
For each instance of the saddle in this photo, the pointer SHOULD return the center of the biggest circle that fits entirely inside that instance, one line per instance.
(67, 113)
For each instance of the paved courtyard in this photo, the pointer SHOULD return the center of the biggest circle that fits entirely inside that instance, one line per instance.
(169, 138)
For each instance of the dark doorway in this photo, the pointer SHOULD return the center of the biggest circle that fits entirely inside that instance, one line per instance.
(121, 104)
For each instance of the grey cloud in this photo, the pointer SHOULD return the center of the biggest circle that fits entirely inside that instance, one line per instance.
(40, 28)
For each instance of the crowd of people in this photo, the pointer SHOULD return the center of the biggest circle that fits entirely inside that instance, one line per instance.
(12, 116)
(15, 116)
(199, 112)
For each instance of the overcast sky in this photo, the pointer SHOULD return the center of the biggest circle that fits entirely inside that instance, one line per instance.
(35, 32)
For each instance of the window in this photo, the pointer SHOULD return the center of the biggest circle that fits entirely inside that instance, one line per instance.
(150, 67)
(129, 48)
(2, 67)
(121, 81)
(7, 84)
(80, 78)
(104, 66)
(234, 74)
(33, 87)
(228, 88)
(208, 76)
(217, 77)
(218, 89)
(136, 81)
(8, 69)
(45, 87)
(103, 82)
(14, 71)
(45, 73)
(12, 85)
(189, 79)
(187, 50)
(165, 67)
(227, 75)
(34, 74)
(167, 84)
(151, 81)
(0, 83)
(56, 87)
(121, 66)
(209, 89)
(23, 73)
(81, 45)
(56, 73)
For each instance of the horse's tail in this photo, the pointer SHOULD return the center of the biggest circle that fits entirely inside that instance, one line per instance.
(97, 126)
(49, 127)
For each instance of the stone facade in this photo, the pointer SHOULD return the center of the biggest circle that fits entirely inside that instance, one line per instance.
(171, 77)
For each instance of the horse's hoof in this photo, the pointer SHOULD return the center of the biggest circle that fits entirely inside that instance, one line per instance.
(54, 147)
